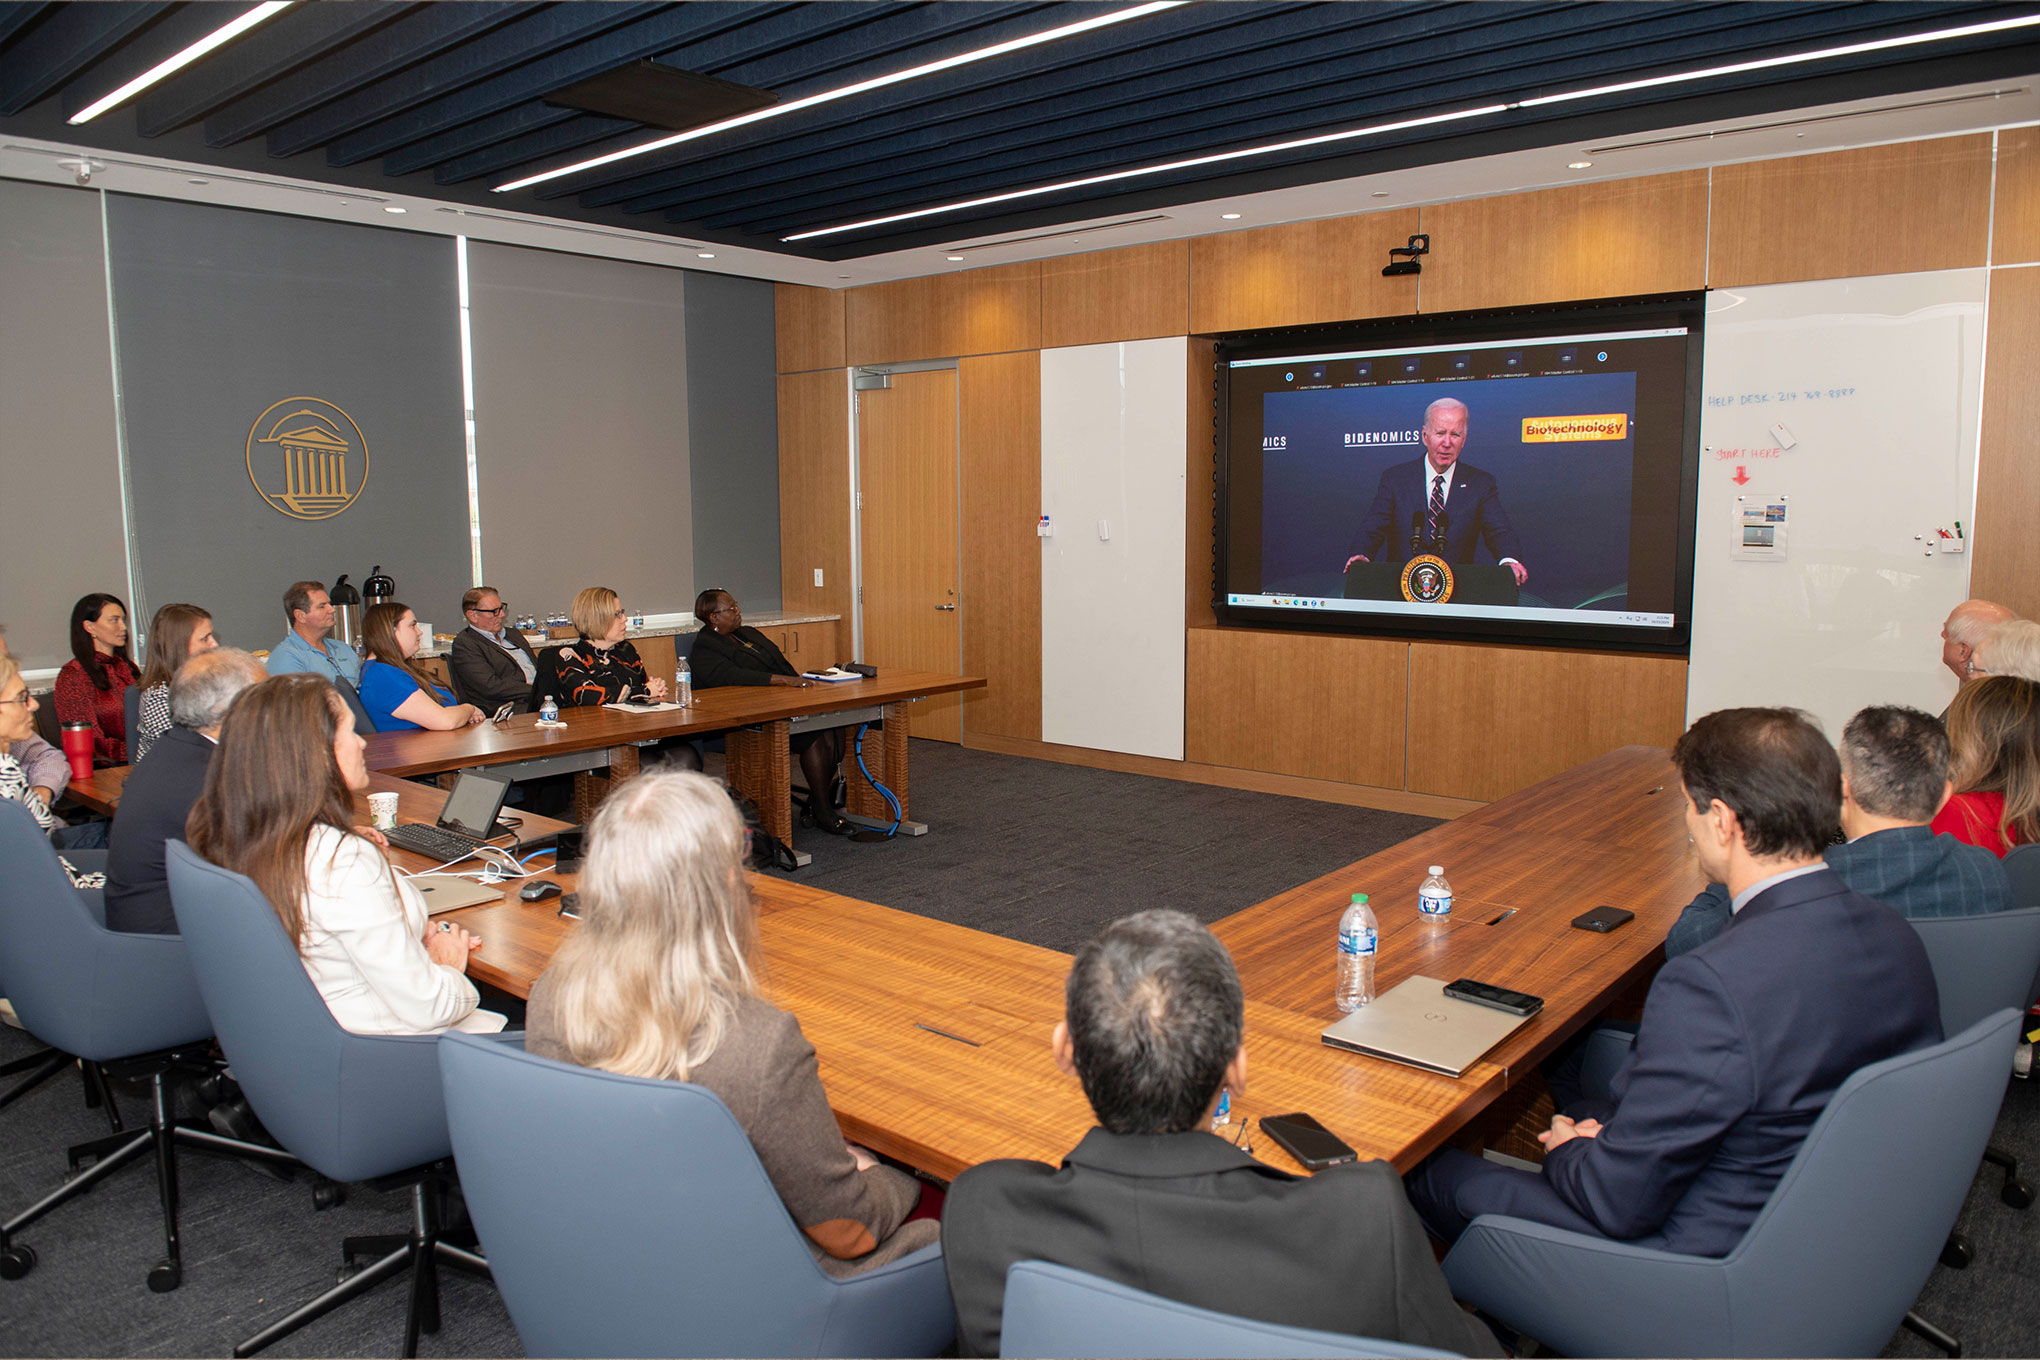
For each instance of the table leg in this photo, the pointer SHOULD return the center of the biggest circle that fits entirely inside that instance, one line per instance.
(592, 786)
(758, 763)
(885, 753)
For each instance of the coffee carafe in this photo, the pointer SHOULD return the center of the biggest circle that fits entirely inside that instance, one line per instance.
(378, 589)
(346, 612)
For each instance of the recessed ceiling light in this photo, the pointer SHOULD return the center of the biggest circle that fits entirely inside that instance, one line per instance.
(704, 254)
(217, 38)
(956, 258)
(842, 276)
(826, 96)
(1379, 193)
(1230, 217)
(1579, 165)
(395, 210)
(198, 181)
(1426, 120)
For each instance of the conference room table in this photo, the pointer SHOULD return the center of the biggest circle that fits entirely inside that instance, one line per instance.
(600, 744)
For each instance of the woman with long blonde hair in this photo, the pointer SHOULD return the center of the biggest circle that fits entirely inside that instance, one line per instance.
(660, 980)
(1994, 746)
(279, 807)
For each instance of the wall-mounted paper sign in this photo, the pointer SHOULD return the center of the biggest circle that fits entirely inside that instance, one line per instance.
(1760, 529)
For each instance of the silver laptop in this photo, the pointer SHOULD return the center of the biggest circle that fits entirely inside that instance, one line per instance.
(450, 892)
(1415, 1023)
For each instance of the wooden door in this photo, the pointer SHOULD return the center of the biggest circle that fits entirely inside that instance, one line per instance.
(906, 462)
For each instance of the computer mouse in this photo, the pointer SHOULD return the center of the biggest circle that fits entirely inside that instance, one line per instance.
(538, 892)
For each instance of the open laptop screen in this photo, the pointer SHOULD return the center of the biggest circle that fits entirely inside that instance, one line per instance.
(472, 806)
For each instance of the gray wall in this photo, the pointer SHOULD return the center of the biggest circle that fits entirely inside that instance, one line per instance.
(218, 313)
(734, 426)
(60, 515)
(581, 428)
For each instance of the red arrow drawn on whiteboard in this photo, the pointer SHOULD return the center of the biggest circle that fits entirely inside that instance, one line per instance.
(1742, 476)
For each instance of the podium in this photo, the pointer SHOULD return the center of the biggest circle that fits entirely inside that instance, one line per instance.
(1490, 584)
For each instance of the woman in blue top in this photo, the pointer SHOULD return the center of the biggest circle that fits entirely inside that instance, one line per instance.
(397, 692)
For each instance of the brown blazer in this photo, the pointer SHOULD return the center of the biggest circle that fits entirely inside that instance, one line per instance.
(764, 1070)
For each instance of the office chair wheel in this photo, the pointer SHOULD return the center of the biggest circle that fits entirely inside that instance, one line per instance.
(165, 1277)
(16, 1261)
(2018, 1194)
(327, 1195)
(1955, 1252)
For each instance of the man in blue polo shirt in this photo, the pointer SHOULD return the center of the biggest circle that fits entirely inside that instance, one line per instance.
(306, 648)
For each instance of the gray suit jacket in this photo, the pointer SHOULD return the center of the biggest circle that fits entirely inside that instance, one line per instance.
(1191, 1218)
(1908, 868)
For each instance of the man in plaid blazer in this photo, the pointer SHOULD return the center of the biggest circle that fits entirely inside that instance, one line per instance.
(1894, 779)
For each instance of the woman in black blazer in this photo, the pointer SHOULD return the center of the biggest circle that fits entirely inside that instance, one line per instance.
(725, 652)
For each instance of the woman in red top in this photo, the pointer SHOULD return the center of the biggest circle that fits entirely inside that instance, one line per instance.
(91, 686)
(1994, 741)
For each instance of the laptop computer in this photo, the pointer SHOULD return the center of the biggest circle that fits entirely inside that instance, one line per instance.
(1416, 1024)
(449, 892)
(467, 819)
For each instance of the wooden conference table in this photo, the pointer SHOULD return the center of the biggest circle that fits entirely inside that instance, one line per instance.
(933, 1039)
(599, 744)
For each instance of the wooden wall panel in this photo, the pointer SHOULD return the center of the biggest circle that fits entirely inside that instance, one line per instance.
(1610, 239)
(1300, 272)
(1843, 214)
(808, 325)
(1315, 705)
(1137, 293)
(977, 311)
(999, 447)
(2004, 565)
(1486, 721)
(1200, 492)
(2015, 230)
(814, 492)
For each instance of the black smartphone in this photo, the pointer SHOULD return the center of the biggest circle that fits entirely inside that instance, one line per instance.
(1493, 997)
(1310, 1142)
(1603, 919)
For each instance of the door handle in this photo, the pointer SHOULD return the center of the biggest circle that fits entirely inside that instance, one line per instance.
(950, 607)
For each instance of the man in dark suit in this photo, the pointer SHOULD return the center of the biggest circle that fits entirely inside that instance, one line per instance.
(490, 661)
(1744, 1039)
(1894, 779)
(161, 790)
(1153, 1200)
(1454, 504)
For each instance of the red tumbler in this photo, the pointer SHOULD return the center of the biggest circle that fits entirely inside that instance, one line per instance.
(78, 748)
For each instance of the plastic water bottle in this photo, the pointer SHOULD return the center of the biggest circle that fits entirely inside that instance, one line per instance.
(549, 710)
(1358, 939)
(683, 683)
(1222, 1116)
(1434, 896)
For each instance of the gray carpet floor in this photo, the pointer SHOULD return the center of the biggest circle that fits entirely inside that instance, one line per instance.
(1038, 852)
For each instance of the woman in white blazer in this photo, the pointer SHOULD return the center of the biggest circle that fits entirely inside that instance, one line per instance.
(279, 807)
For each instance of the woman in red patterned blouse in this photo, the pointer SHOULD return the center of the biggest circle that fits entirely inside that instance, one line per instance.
(91, 686)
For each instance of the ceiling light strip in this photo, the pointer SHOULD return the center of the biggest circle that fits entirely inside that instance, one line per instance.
(861, 87)
(1377, 129)
(217, 38)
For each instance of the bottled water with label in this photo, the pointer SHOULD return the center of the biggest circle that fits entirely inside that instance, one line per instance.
(683, 683)
(1358, 937)
(548, 710)
(1434, 897)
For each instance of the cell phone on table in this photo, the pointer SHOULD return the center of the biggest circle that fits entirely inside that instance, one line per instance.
(503, 714)
(1310, 1142)
(1603, 919)
(1494, 998)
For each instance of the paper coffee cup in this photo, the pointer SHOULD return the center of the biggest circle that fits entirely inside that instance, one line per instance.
(382, 810)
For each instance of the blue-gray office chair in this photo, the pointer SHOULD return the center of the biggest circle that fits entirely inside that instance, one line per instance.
(630, 1217)
(1830, 1267)
(355, 1107)
(1053, 1312)
(131, 707)
(126, 1002)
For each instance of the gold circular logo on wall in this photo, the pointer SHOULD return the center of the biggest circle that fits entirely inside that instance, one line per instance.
(1427, 580)
(307, 458)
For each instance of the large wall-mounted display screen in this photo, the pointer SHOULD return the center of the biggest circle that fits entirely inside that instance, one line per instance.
(1522, 476)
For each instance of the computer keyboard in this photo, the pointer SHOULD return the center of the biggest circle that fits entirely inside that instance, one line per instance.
(434, 842)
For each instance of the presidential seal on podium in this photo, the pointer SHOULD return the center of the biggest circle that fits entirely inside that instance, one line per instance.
(1427, 579)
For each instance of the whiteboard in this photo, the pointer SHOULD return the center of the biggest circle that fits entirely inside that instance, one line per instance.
(1877, 385)
(1114, 422)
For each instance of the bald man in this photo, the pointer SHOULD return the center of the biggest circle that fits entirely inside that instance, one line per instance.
(1967, 626)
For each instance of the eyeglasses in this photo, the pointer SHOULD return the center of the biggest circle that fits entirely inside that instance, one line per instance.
(621, 612)
(729, 608)
(1240, 1139)
(499, 609)
(24, 700)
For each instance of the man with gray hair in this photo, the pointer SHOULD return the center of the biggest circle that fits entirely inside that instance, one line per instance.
(160, 791)
(1894, 779)
(1967, 625)
(1154, 1200)
(2011, 648)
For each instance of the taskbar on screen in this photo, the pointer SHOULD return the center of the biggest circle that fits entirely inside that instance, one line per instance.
(1619, 618)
